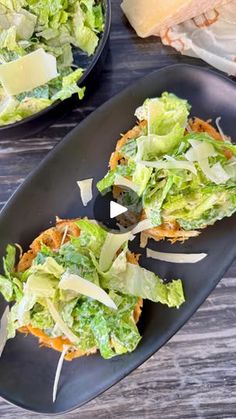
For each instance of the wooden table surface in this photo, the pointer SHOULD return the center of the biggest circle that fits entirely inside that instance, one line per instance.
(194, 375)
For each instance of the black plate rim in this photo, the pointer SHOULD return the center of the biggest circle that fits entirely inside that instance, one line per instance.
(179, 323)
(88, 70)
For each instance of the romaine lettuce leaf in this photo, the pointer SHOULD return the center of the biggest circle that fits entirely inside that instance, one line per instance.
(14, 5)
(70, 86)
(92, 236)
(113, 332)
(124, 170)
(141, 177)
(162, 114)
(22, 21)
(41, 318)
(6, 288)
(153, 146)
(140, 282)
(220, 146)
(49, 267)
(20, 312)
(84, 37)
(9, 261)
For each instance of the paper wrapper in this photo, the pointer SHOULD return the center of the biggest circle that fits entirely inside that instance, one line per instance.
(210, 36)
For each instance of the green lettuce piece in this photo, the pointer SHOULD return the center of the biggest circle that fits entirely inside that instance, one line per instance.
(208, 210)
(220, 146)
(75, 257)
(113, 332)
(41, 92)
(105, 184)
(49, 267)
(164, 113)
(30, 106)
(41, 319)
(49, 13)
(42, 279)
(8, 39)
(67, 311)
(166, 117)
(9, 261)
(40, 285)
(142, 283)
(92, 236)
(14, 110)
(10, 285)
(8, 110)
(70, 87)
(153, 146)
(98, 18)
(124, 170)
(83, 27)
(22, 21)
(141, 177)
(154, 198)
(13, 5)
(129, 149)
(6, 288)
(20, 312)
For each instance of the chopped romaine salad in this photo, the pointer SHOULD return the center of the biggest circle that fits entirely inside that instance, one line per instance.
(79, 287)
(183, 169)
(54, 27)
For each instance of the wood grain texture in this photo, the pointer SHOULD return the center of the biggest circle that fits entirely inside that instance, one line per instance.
(193, 376)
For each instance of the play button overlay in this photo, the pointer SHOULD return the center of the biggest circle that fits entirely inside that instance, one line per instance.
(117, 211)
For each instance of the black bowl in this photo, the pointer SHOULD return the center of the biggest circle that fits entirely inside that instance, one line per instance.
(93, 65)
(26, 370)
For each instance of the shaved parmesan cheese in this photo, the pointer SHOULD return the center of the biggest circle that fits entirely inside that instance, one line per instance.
(200, 151)
(75, 283)
(27, 72)
(175, 257)
(122, 181)
(112, 244)
(223, 136)
(216, 173)
(60, 323)
(64, 235)
(3, 330)
(58, 372)
(142, 226)
(172, 164)
(85, 190)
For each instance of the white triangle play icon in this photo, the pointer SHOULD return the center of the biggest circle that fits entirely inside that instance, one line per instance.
(116, 209)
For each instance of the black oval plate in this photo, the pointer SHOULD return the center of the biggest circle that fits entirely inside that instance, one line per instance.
(27, 371)
(92, 65)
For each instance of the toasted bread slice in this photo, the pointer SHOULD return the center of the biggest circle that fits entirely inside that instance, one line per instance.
(54, 237)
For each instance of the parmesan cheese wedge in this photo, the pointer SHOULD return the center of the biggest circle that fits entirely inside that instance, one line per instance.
(26, 73)
(73, 282)
(148, 17)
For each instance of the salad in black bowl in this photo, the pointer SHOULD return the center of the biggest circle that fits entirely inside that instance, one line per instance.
(47, 49)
